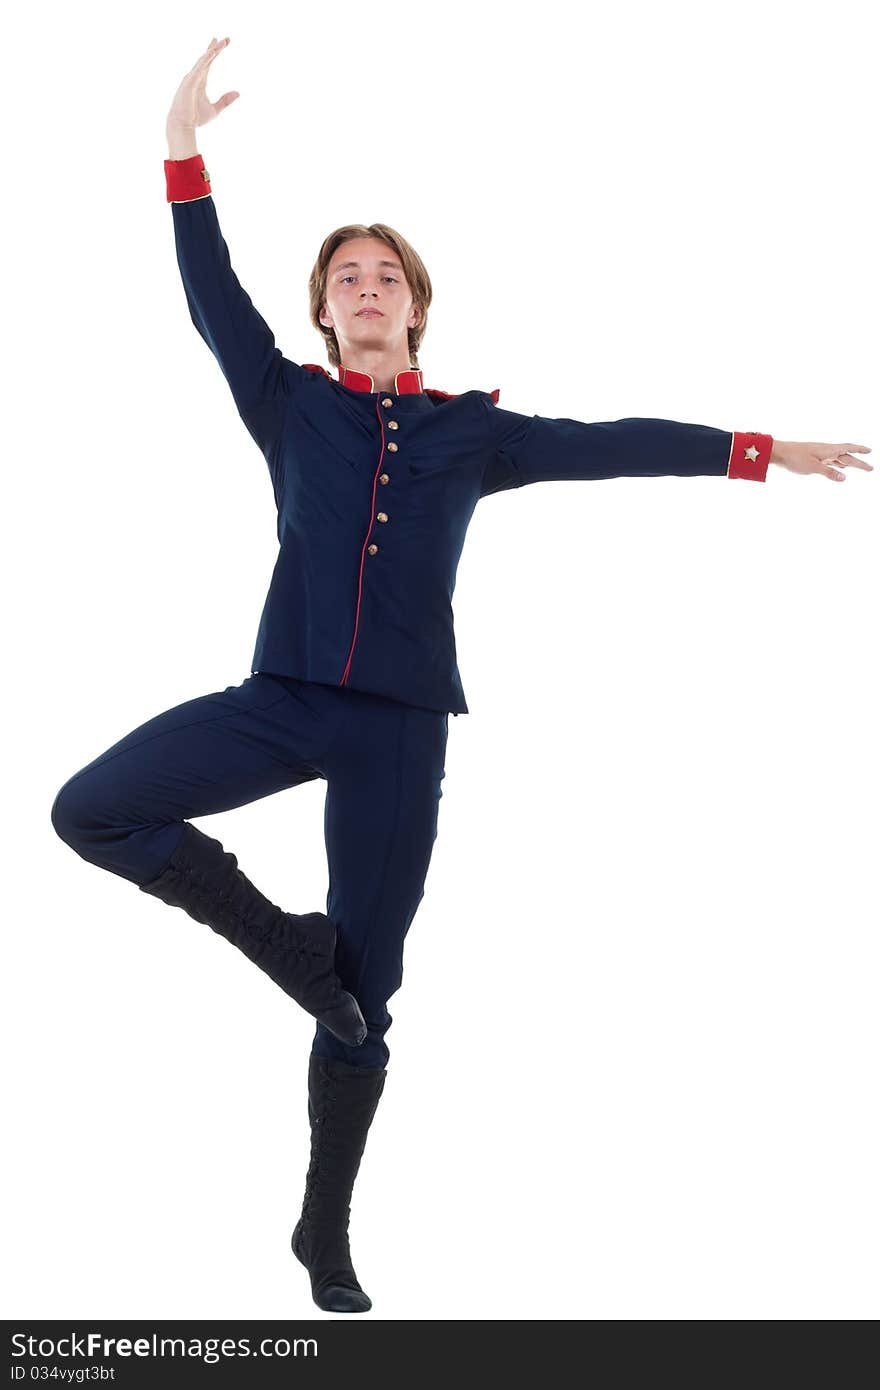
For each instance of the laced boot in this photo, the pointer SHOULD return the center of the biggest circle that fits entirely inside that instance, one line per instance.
(342, 1103)
(297, 952)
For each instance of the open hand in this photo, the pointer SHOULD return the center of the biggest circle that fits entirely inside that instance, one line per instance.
(191, 107)
(820, 458)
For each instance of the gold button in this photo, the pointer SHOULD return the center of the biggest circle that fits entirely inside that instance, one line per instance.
(383, 477)
(393, 425)
(393, 447)
(382, 516)
(372, 549)
(388, 401)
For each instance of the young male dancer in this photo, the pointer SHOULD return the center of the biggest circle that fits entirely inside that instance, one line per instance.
(354, 673)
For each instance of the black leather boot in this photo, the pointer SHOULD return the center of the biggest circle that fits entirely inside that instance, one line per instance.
(297, 952)
(342, 1103)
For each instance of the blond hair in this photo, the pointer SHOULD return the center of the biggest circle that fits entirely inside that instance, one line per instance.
(417, 278)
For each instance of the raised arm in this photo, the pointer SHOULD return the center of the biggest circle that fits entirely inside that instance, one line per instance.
(536, 448)
(238, 336)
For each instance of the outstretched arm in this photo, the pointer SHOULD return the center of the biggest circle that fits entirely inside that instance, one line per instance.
(220, 308)
(238, 336)
(537, 448)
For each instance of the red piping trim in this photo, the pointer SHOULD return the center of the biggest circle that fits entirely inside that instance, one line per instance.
(364, 548)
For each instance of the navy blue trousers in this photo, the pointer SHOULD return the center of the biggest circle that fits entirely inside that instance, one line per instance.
(382, 760)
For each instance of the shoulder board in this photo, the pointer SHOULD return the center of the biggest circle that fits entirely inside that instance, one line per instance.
(451, 396)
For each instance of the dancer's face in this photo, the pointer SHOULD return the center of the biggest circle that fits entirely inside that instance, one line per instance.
(376, 281)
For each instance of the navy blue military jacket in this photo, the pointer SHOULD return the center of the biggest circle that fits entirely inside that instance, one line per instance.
(375, 489)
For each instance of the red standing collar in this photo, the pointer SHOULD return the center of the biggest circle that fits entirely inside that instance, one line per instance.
(406, 383)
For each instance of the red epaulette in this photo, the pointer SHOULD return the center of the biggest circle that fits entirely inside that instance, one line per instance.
(314, 367)
(452, 395)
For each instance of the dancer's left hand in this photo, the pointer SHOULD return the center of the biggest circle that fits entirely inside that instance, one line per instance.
(819, 458)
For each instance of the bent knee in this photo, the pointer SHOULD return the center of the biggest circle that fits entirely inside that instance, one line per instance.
(74, 812)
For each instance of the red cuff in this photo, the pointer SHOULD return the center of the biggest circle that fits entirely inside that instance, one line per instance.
(186, 179)
(749, 455)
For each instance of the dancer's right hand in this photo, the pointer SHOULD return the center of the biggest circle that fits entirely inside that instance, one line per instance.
(191, 107)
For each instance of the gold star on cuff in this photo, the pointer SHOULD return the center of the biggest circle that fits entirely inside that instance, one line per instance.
(751, 453)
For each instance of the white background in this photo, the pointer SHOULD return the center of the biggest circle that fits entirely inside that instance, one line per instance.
(634, 1058)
